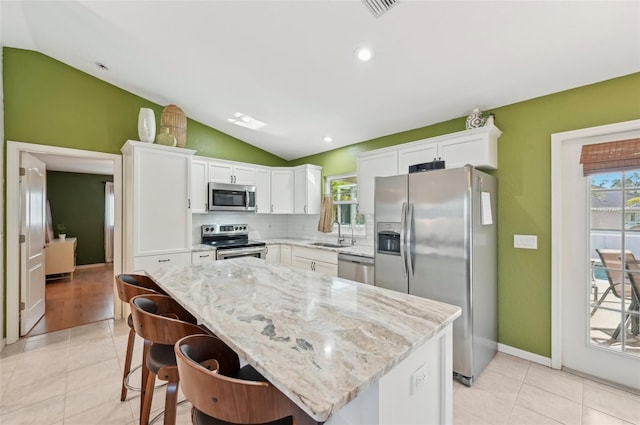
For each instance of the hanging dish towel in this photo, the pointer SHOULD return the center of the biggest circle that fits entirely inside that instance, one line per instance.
(325, 224)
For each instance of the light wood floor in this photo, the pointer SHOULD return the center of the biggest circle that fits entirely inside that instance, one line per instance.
(86, 299)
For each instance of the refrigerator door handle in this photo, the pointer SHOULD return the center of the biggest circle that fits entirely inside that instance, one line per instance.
(409, 248)
(402, 239)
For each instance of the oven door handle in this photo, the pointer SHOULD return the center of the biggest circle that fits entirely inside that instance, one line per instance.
(240, 251)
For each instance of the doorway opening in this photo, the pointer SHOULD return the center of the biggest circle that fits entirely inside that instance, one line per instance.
(91, 159)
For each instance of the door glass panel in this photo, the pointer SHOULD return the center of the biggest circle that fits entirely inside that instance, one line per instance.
(615, 246)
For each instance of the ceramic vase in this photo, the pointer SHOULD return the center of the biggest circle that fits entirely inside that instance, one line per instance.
(474, 120)
(146, 125)
(165, 138)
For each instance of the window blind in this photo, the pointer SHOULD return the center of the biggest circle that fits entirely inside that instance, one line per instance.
(610, 156)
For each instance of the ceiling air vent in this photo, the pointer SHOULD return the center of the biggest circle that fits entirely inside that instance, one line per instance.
(378, 7)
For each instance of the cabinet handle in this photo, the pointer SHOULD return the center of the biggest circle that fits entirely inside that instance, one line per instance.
(305, 209)
(189, 203)
(204, 256)
(164, 261)
(271, 207)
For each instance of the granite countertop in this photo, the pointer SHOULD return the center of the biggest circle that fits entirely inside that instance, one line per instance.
(360, 250)
(321, 340)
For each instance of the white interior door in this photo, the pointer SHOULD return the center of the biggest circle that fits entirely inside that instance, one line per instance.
(572, 266)
(32, 251)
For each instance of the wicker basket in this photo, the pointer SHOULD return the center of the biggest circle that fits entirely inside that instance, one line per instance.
(174, 118)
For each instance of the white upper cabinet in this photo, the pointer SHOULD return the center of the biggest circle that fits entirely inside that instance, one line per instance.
(307, 184)
(373, 164)
(199, 180)
(282, 187)
(229, 172)
(263, 191)
(477, 147)
(157, 218)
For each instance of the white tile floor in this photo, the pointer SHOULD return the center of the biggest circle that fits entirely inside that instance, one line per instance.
(72, 377)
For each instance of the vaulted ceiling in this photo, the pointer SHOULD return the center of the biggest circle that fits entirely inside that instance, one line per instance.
(291, 64)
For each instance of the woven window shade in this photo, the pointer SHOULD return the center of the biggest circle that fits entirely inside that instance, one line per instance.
(611, 156)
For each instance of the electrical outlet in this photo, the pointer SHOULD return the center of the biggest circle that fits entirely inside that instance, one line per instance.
(525, 241)
(418, 379)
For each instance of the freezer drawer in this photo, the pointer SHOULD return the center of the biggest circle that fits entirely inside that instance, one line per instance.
(356, 268)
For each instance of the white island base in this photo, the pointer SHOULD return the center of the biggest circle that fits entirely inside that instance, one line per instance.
(419, 390)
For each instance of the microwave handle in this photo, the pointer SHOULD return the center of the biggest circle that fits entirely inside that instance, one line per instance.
(246, 198)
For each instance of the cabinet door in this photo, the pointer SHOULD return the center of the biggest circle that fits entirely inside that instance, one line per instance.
(369, 167)
(301, 263)
(161, 219)
(282, 191)
(425, 152)
(479, 150)
(199, 179)
(326, 268)
(273, 254)
(285, 255)
(199, 257)
(263, 191)
(300, 191)
(220, 172)
(243, 174)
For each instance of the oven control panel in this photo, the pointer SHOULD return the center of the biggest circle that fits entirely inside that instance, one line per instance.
(224, 229)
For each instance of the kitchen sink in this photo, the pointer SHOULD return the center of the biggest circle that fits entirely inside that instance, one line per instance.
(329, 245)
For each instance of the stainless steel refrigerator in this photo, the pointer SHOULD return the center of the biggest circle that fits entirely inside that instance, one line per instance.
(436, 238)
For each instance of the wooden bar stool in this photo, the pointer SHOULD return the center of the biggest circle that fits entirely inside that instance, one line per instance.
(161, 321)
(223, 393)
(129, 286)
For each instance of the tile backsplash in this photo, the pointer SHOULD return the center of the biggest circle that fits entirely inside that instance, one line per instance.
(273, 226)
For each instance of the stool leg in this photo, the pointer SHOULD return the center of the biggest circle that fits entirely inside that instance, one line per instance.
(145, 379)
(171, 403)
(145, 411)
(127, 363)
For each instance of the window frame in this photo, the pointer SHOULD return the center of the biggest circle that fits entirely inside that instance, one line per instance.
(358, 229)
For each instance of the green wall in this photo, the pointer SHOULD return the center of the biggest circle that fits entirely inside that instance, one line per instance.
(49, 103)
(77, 200)
(524, 191)
(73, 109)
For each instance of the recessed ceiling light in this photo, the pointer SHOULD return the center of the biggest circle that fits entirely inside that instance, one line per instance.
(364, 53)
(328, 139)
(102, 66)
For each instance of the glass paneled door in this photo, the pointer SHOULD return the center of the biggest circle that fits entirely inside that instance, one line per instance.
(614, 212)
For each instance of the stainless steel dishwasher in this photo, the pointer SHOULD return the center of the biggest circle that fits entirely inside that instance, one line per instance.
(355, 267)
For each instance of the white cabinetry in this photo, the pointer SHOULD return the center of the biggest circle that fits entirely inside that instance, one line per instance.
(285, 255)
(199, 257)
(477, 147)
(157, 218)
(317, 260)
(199, 180)
(273, 254)
(307, 183)
(370, 166)
(282, 191)
(229, 172)
(263, 191)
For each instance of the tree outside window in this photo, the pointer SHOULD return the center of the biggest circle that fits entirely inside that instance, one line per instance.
(344, 192)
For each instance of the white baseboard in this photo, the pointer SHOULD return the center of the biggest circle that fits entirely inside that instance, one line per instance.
(536, 358)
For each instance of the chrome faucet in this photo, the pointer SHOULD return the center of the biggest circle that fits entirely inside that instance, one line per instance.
(340, 238)
(353, 240)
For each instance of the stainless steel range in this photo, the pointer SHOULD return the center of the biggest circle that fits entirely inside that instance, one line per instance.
(232, 241)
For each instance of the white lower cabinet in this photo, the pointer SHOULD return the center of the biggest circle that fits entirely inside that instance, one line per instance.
(153, 261)
(317, 260)
(199, 257)
(285, 255)
(273, 254)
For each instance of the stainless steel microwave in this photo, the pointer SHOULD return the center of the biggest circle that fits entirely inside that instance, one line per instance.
(231, 197)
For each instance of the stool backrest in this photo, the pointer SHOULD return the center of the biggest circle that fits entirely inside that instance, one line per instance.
(161, 320)
(217, 394)
(130, 285)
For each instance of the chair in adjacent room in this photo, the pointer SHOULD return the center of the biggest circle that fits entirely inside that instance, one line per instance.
(161, 322)
(129, 286)
(223, 393)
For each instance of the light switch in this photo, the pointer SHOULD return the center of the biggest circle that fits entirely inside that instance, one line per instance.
(525, 241)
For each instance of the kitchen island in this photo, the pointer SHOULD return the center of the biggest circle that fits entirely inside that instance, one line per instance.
(344, 352)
